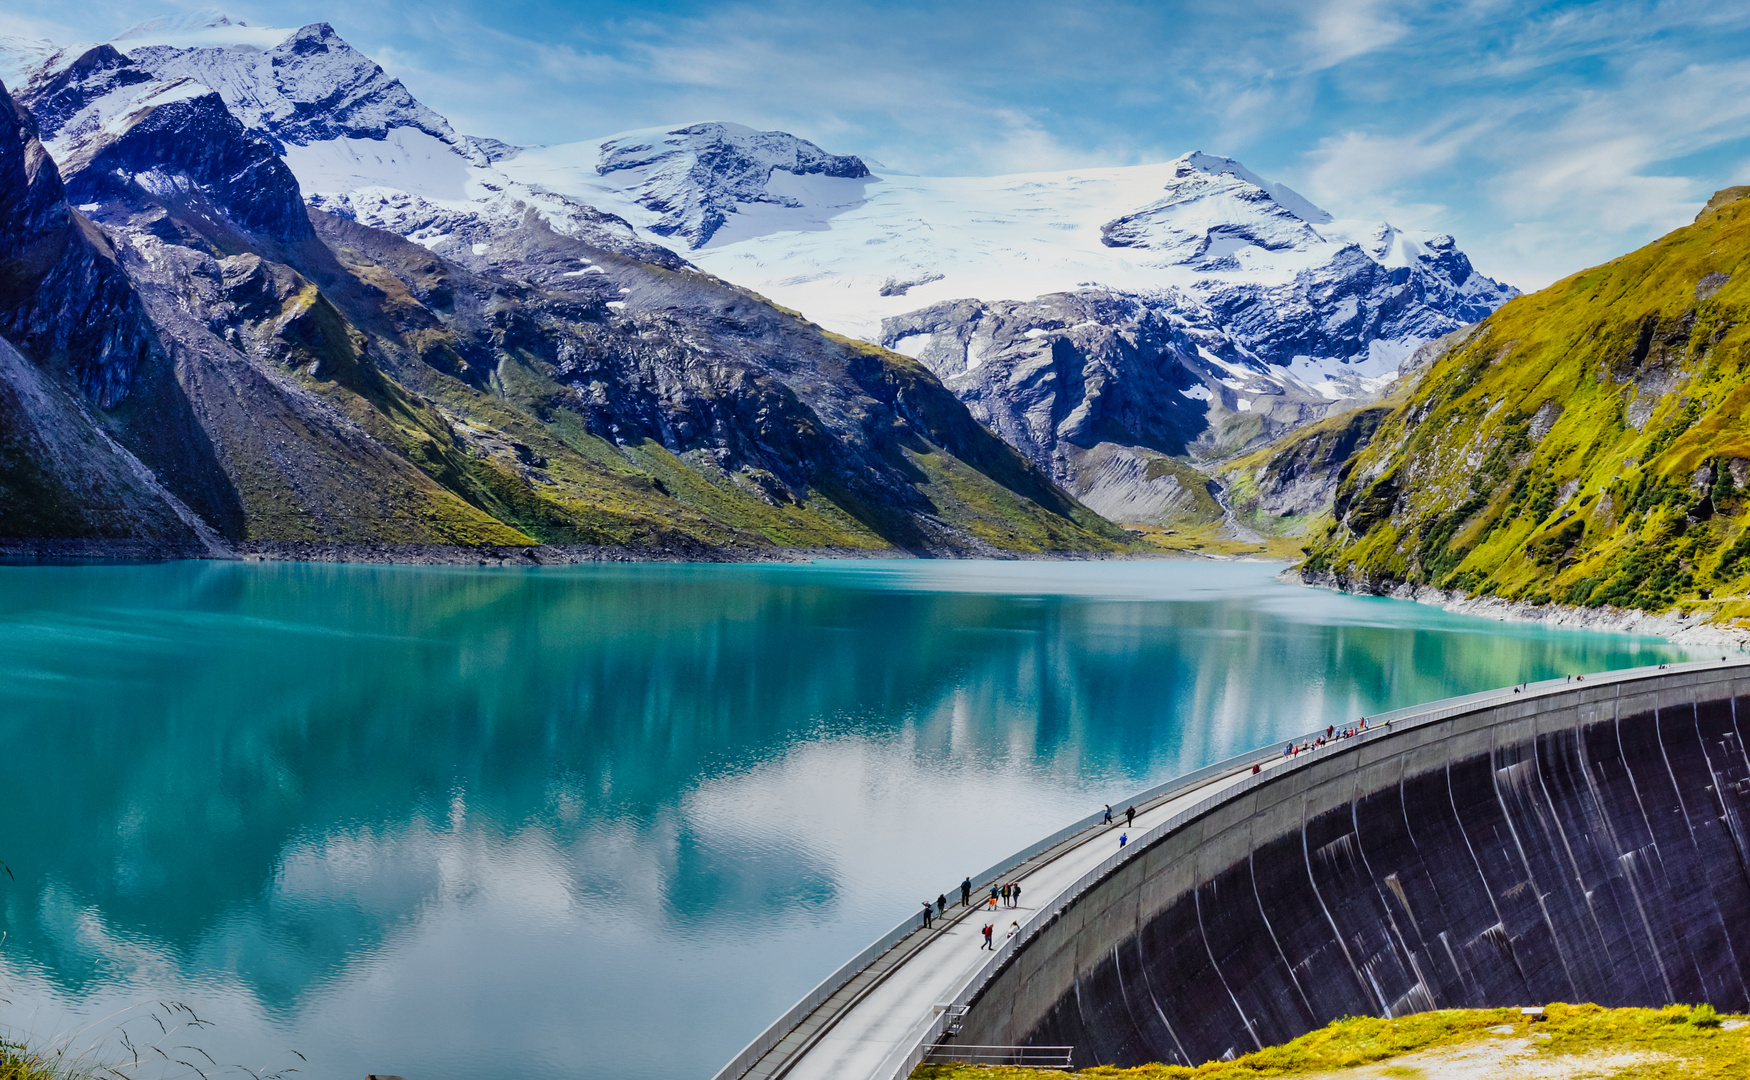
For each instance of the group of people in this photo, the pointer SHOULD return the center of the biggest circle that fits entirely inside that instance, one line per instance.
(1009, 895)
(1331, 735)
(1129, 815)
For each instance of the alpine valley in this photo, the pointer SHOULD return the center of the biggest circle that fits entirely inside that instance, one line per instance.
(257, 299)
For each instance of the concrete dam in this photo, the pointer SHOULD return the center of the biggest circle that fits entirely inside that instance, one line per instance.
(1586, 843)
(1584, 840)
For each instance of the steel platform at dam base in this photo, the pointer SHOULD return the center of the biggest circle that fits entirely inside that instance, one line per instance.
(1093, 914)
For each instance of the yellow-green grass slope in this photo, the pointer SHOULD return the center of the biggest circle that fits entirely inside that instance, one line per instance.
(1588, 444)
(1677, 1042)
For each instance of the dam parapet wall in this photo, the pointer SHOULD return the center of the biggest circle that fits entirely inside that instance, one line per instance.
(1579, 842)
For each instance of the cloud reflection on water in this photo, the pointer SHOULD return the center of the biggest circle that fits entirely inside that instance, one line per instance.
(456, 823)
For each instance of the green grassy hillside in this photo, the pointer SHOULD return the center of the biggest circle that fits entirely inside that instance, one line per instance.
(1587, 444)
(1569, 1042)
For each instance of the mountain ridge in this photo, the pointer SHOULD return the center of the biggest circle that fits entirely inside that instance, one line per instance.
(1224, 309)
(303, 383)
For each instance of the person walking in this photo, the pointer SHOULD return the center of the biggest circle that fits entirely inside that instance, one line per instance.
(1108, 814)
(993, 897)
(926, 925)
(941, 905)
(988, 943)
(966, 893)
(1130, 816)
(1123, 838)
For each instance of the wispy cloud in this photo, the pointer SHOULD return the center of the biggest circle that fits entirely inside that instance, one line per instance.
(1340, 30)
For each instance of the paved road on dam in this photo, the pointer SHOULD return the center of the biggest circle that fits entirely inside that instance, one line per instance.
(869, 1036)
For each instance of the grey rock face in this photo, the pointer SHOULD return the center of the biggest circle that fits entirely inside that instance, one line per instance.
(1068, 369)
(30, 185)
(695, 177)
(63, 477)
(1341, 308)
(1098, 388)
(1208, 370)
(1125, 483)
(1302, 480)
(119, 133)
(63, 295)
(1382, 287)
(188, 152)
(740, 391)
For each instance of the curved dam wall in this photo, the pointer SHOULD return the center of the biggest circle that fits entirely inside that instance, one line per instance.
(1585, 844)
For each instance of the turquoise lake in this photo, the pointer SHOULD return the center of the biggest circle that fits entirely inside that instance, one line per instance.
(469, 824)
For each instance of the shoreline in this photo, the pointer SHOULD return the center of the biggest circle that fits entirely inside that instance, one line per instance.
(1693, 629)
(51, 550)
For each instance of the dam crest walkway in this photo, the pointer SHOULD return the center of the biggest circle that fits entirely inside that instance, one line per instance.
(876, 1017)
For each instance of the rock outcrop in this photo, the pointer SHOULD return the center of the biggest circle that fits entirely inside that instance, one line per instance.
(694, 177)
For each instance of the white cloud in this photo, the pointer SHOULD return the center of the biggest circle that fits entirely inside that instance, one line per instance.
(1542, 138)
(1340, 30)
(1356, 166)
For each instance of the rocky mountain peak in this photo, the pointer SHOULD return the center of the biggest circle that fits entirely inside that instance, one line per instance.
(1213, 208)
(309, 86)
(1284, 196)
(695, 177)
(121, 135)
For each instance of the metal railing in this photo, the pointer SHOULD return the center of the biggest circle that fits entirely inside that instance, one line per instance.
(1031, 1057)
(925, 1036)
(1379, 726)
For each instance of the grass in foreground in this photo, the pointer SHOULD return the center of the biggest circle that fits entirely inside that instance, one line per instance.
(1681, 1043)
(18, 1063)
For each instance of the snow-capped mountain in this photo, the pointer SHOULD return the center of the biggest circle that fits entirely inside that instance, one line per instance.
(1196, 277)
(1097, 319)
(206, 363)
(851, 248)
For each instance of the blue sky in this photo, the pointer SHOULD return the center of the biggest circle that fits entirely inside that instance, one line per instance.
(1546, 137)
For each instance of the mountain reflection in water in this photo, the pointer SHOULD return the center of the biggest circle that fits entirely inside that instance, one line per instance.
(460, 824)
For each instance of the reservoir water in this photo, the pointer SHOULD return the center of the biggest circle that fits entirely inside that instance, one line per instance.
(603, 822)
